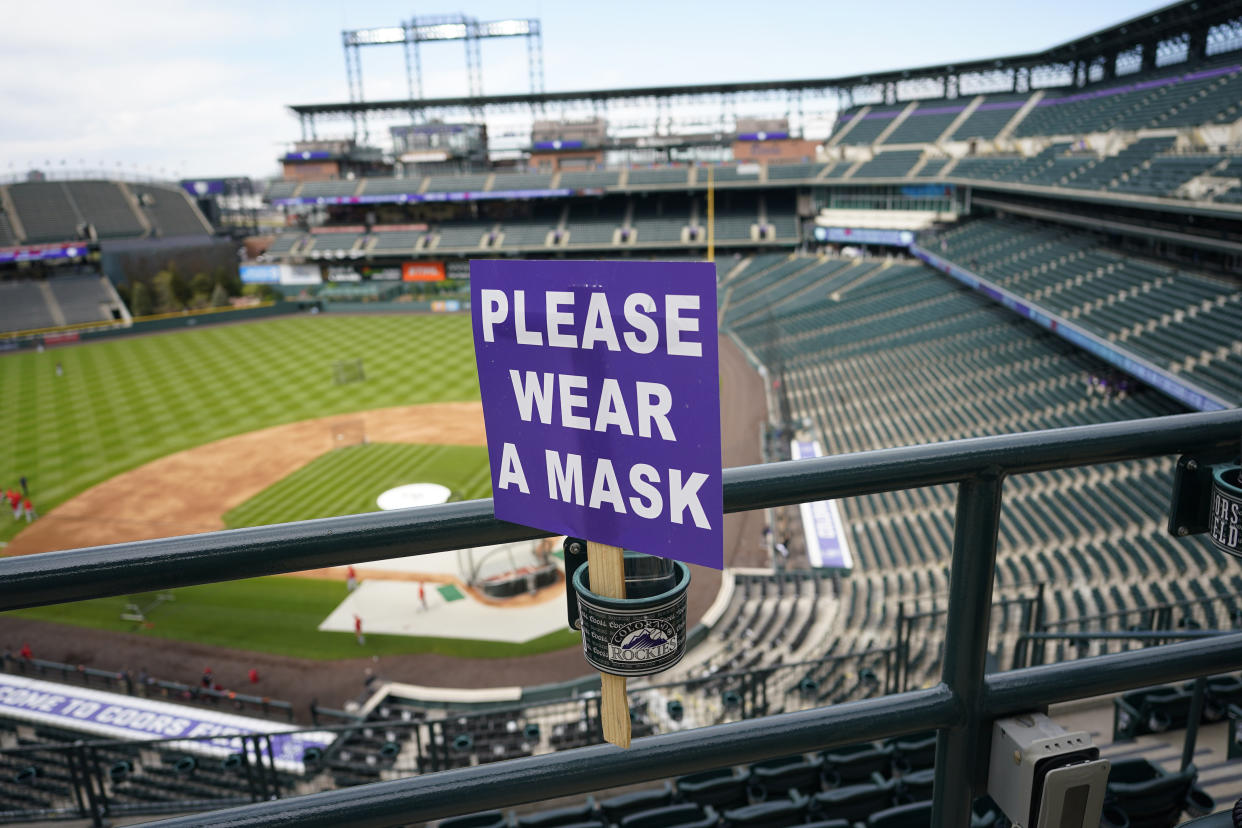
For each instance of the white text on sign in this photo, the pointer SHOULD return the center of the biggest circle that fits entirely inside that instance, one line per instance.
(641, 333)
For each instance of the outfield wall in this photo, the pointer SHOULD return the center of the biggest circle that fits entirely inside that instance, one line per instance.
(168, 322)
(436, 306)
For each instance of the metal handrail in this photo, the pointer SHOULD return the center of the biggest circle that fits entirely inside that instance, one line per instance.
(961, 706)
(189, 560)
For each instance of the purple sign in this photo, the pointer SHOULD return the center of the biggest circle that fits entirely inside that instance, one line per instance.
(111, 715)
(822, 527)
(601, 398)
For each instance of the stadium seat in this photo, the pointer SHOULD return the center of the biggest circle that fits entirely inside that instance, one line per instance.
(853, 802)
(483, 819)
(857, 763)
(777, 813)
(556, 817)
(1153, 798)
(722, 789)
(1153, 710)
(913, 753)
(773, 777)
(619, 807)
(684, 815)
(915, 815)
(917, 786)
(1221, 692)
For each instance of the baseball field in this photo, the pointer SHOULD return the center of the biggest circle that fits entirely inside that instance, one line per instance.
(234, 426)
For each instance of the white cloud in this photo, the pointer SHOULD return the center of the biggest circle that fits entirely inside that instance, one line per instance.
(173, 86)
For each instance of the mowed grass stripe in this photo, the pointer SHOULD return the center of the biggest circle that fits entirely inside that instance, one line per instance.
(125, 402)
(348, 481)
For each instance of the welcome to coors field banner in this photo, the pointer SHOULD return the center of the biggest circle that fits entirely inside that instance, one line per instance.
(601, 397)
(114, 716)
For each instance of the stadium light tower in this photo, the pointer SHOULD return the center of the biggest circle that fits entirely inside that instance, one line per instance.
(418, 30)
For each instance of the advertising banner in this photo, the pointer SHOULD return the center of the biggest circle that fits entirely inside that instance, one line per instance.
(863, 235)
(38, 252)
(401, 198)
(601, 398)
(343, 274)
(300, 275)
(826, 542)
(260, 274)
(422, 271)
(115, 716)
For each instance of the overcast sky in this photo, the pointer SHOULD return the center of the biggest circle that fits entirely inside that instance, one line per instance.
(200, 89)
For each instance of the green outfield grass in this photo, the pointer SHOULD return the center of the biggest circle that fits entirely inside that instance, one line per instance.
(348, 480)
(274, 615)
(125, 402)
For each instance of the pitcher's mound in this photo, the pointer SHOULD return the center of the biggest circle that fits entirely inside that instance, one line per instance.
(413, 494)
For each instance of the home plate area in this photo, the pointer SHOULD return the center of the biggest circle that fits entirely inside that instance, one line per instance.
(511, 593)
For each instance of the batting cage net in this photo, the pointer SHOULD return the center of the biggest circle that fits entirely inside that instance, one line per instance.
(345, 371)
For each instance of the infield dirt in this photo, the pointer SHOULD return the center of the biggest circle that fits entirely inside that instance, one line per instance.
(190, 491)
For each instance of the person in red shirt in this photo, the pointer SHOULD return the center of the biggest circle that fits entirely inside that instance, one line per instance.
(31, 514)
(15, 503)
(25, 652)
(351, 579)
(253, 675)
(422, 595)
(362, 639)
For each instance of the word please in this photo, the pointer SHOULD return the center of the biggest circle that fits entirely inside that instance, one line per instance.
(640, 333)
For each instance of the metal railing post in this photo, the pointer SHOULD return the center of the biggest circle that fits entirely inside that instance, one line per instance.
(97, 798)
(895, 680)
(958, 759)
(270, 766)
(1192, 722)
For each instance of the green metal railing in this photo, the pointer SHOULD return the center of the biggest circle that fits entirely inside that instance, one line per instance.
(961, 707)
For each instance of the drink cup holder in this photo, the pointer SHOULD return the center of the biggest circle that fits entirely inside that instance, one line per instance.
(641, 634)
(1225, 509)
(1207, 499)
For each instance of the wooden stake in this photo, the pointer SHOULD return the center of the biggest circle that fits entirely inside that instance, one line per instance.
(606, 567)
